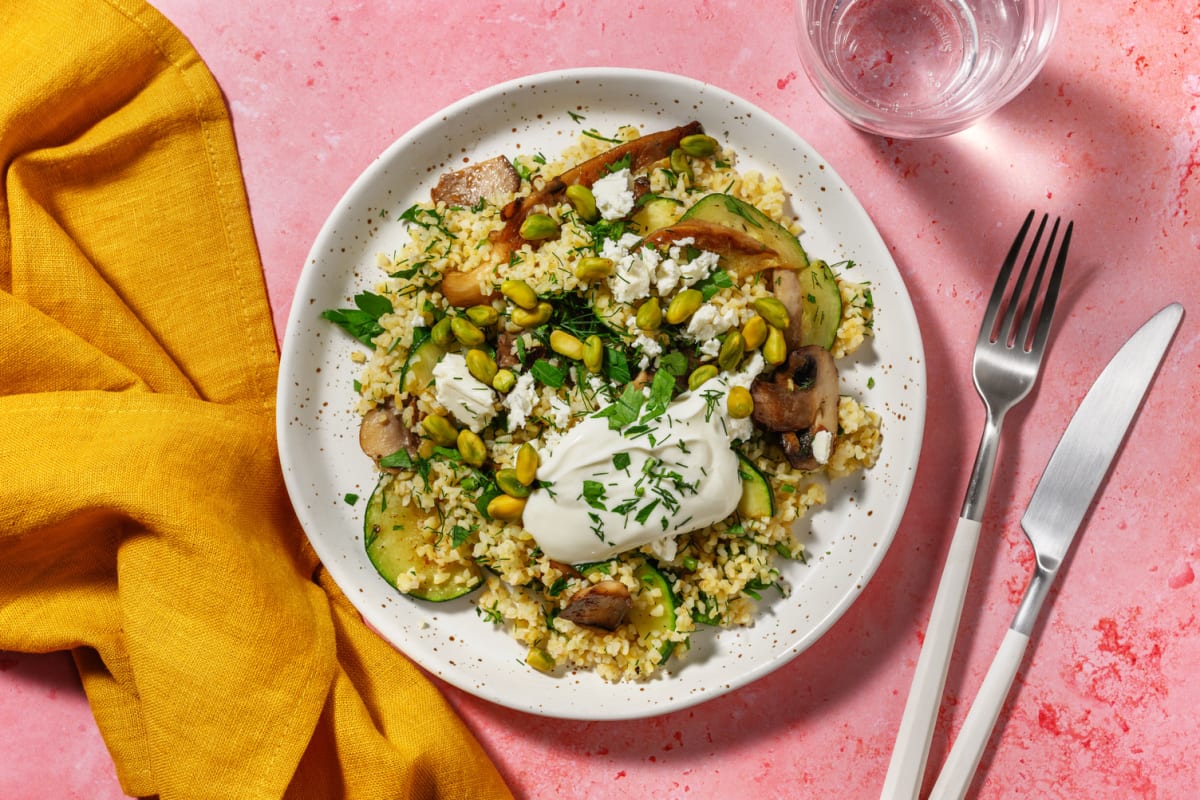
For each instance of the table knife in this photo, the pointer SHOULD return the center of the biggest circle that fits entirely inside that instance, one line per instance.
(1059, 503)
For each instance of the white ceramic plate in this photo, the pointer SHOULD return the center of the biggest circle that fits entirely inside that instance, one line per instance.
(318, 429)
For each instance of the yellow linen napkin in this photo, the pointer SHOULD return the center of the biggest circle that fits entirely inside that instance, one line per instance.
(143, 521)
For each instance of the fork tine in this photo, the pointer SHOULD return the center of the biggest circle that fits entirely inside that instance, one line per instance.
(1043, 327)
(1006, 333)
(987, 328)
(1031, 311)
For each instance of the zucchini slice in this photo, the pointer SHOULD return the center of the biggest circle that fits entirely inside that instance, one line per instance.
(820, 298)
(656, 213)
(393, 534)
(758, 500)
(418, 369)
(639, 615)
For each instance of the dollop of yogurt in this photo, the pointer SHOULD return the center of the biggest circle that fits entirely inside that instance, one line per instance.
(604, 491)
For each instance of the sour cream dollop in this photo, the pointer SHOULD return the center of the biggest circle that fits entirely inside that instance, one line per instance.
(606, 491)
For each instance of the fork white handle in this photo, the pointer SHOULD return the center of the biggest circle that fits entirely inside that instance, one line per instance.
(907, 766)
(959, 769)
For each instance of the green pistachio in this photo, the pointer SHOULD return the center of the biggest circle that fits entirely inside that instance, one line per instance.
(593, 268)
(701, 375)
(593, 353)
(774, 349)
(504, 380)
(683, 305)
(732, 350)
(538, 226)
(527, 464)
(649, 315)
(440, 430)
(754, 333)
(510, 484)
(739, 402)
(773, 311)
(567, 345)
(520, 293)
(481, 365)
(471, 448)
(699, 145)
(482, 315)
(583, 201)
(466, 333)
(506, 508)
(531, 319)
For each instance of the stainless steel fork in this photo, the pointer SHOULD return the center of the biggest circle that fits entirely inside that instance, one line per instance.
(1008, 357)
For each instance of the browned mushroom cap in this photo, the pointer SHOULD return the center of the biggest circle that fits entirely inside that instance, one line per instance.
(799, 400)
(383, 432)
(602, 605)
(467, 186)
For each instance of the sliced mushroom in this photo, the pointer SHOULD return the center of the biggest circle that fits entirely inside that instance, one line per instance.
(642, 152)
(467, 186)
(465, 289)
(383, 432)
(602, 605)
(785, 283)
(798, 401)
(507, 355)
(462, 289)
(742, 254)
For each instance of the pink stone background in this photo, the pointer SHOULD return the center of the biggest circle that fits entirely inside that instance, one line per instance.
(1109, 134)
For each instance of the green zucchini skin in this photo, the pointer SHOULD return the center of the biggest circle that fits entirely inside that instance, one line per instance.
(820, 298)
(758, 499)
(650, 577)
(392, 534)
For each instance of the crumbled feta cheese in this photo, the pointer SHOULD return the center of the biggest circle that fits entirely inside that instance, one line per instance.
(710, 321)
(664, 549)
(520, 401)
(649, 348)
(470, 402)
(560, 412)
(822, 446)
(418, 320)
(614, 195)
(698, 268)
(666, 277)
(709, 348)
(632, 271)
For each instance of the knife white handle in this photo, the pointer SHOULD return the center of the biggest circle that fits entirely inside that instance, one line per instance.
(960, 765)
(907, 767)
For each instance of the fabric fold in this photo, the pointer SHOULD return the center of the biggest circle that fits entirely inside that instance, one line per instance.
(144, 525)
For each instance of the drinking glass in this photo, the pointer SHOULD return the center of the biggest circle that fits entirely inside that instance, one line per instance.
(921, 68)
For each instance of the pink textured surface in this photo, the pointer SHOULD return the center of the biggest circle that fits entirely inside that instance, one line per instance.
(1109, 134)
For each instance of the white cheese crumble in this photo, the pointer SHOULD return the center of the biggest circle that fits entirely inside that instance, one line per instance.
(470, 402)
(649, 347)
(560, 412)
(698, 268)
(632, 271)
(664, 549)
(709, 322)
(520, 401)
(614, 194)
(740, 430)
(822, 446)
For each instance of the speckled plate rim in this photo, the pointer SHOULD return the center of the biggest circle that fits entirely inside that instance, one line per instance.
(317, 426)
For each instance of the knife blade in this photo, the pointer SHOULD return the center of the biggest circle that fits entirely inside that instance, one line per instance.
(1059, 503)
